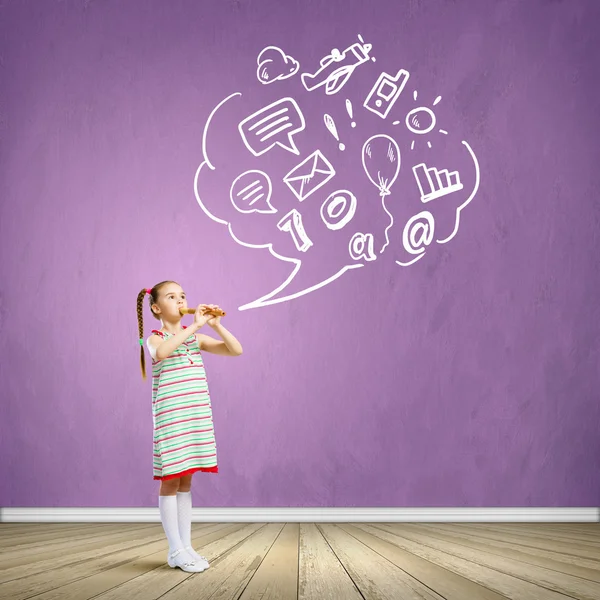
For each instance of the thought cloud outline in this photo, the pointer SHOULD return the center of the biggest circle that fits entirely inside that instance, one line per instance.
(276, 58)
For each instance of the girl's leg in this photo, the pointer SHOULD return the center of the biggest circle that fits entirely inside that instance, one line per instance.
(169, 487)
(167, 502)
(185, 483)
(184, 517)
(184, 509)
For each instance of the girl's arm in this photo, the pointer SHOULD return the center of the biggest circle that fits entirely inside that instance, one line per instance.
(167, 347)
(229, 346)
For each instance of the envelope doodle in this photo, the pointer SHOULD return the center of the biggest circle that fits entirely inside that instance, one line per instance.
(311, 174)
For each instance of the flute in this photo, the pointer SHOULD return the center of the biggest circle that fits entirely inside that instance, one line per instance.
(215, 312)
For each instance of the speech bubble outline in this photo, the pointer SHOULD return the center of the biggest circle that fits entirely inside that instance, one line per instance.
(270, 121)
(252, 192)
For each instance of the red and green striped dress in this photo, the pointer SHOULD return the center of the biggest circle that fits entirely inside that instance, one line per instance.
(184, 439)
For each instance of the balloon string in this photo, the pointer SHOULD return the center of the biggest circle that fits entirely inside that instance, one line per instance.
(387, 239)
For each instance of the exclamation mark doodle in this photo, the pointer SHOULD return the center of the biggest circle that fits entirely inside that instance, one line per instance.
(349, 109)
(330, 124)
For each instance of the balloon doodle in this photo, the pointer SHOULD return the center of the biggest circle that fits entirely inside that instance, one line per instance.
(381, 162)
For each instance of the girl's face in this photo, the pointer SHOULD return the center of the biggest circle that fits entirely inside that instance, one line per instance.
(170, 299)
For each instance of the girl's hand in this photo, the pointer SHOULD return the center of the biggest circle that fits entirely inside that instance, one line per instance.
(200, 318)
(213, 321)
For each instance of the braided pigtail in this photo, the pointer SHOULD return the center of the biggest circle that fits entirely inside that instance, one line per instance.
(140, 316)
(153, 292)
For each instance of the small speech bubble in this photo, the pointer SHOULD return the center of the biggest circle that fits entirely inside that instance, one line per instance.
(273, 125)
(251, 192)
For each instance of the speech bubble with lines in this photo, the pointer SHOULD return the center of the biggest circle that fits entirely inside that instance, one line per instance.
(251, 192)
(272, 125)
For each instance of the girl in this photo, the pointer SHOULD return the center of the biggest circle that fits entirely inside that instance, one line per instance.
(184, 440)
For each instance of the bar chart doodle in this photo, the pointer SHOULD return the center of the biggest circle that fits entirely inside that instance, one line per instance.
(434, 183)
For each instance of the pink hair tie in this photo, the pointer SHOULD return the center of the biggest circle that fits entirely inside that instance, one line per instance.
(148, 290)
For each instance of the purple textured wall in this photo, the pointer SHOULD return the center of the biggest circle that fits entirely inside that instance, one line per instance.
(467, 378)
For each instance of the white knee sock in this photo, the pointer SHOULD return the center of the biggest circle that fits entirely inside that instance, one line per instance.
(168, 515)
(184, 516)
(184, 519)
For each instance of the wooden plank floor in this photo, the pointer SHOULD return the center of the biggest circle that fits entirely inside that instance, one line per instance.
(304, 561)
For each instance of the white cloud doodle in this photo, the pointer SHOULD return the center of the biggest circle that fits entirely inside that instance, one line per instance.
(274, 64)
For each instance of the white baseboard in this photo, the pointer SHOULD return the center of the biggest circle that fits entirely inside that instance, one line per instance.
(305, 515)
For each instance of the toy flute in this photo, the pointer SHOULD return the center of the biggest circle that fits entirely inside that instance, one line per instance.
(215, 312)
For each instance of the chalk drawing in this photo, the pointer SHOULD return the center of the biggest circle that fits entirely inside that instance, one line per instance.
(337, 67)
(330, 124)
(421, 120)
(417, 234)
(385, 92)
(310, 175)
(381, 162)
(274, 64)
(349, 111)
(279, 122)
(273, 296)
(468, 200)
(361, 246)
(272, 125)
(434, 183)
(292, 223)
(338, 209)
(251, 192)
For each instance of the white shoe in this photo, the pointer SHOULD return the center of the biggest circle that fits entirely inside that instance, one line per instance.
(201, 560)
(180, 558)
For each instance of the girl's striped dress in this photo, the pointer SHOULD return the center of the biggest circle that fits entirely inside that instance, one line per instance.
(184, 440)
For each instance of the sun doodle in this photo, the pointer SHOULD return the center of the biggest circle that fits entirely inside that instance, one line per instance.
(421, 120)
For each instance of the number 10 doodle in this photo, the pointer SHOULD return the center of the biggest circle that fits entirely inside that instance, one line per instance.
(336, 212)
